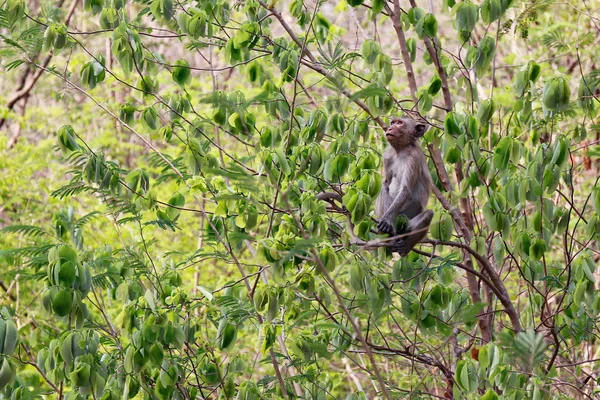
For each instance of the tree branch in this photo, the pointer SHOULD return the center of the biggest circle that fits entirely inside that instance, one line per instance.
(498, 286)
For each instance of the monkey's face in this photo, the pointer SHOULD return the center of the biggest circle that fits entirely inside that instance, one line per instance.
(404, 131)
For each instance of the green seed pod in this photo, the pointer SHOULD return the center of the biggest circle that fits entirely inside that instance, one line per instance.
(317, 156)
(537, 249)
(226, 334)
(182, 74)
(556, 94)
(355, 3)
(62, 303)
(442, 227)
(150, 118)
(109, 19)
(360, 209)
(67, 139)
(357, 277)
(328, 258)
(485, 112)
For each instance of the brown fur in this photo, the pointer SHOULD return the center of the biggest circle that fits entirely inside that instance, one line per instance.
(407, 184)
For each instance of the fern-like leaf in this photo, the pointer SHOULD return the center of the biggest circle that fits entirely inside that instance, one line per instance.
(12, 43)
(81, 222)
(163, 224)
(26, 230)
(14, 64)
(38, 276)
(33, 251)
(555, 40)
(4, 22)
(72, 189)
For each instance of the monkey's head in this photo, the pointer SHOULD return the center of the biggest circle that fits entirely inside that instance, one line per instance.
(403, 132)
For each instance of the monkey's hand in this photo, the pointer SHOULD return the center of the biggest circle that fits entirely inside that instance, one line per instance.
(399, 246)
(386, 226)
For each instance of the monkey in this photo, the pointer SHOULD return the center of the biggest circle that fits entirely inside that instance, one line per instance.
(407, 185)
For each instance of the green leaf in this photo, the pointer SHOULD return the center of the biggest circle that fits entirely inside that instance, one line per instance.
(270, 335)
(55, 37)
(95, 6)
(8, 336)
(357, 277)
(176, 200)
(435, 85)
(585, 94)
(527, 347)
(66, 274)
(441, 227)
(537, 249)
(109, 18)
(62, 303)
(16, 11)
(490, 395)
(377, 6)
(411, 45)
(14, 64)
(502, 153)
(355, 3)
(148, 85)
(415, 14)
(162, 9)
(556, 94)
(7, 372)
(453, 155)
(485, 112)
(226, 334)
(430, 25)
(450, 125)
(196, 26)
(150, 118)
(491, 10)
(138, 181)
(25, 230)
(466, 375)
(595, 198)
(168, 374)
(245, 37)
(149, 297)
(181, 74)
(370, 50)
(336, 167)
(480, 57)
(425, 103)
(466, 15)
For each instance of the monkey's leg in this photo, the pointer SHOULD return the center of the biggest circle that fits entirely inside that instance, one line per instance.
(417, 229)
(384, 200)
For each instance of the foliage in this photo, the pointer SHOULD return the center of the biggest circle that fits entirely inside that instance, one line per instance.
(187, 209)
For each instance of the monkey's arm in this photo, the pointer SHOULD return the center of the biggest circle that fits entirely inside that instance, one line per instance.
(386, 223)
(398, 204)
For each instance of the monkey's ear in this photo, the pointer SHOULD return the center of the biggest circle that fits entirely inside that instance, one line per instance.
(420, 130)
